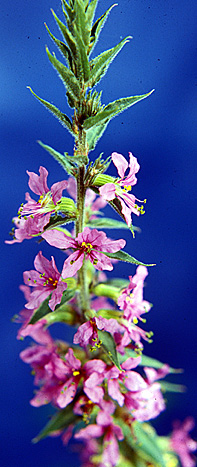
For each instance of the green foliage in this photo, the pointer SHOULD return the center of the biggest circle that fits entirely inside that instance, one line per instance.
(113, 109)
(123, 256)
(80, 73)
(43, 310)
(109, 346)
(60, 421)
(63, 119)
(107, 223)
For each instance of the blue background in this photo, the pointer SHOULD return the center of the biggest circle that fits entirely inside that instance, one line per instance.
(160, 132)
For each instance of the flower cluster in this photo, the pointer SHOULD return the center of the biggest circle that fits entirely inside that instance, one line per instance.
(101, 378)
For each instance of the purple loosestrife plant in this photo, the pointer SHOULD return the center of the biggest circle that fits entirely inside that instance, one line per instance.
(104, 389)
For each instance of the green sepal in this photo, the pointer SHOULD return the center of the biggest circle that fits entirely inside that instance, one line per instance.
(106, 290)
(44, 308)
(107, 223)
(108, 345)
(62, 315)
(123, 256)
(66, 75)
(97, 27)
(67, 206)
(152, 362)
(64, 120)
(66, 162)
(101, 63)
(60, 421)
(102, 179)
(113, 109)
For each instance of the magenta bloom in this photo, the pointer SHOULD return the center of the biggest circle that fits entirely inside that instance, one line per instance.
(104, 427)
(87, 333)
(90, 244)
(131, 299)
(181, 442)
(45, 280)
(120, 188)
(34, 215)
(48, 199)
(28, 228)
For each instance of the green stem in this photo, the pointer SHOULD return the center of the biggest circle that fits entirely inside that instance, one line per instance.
(79, 226)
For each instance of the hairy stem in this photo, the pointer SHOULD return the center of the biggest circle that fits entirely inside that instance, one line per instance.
(84, 290)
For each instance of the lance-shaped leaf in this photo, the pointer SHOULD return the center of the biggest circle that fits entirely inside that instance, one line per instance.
(85, 66)
(113, 109)
(107, 223)
(100, 64)
(123, 256)
(143, 442)
(172, 387)
(76, 48)
(64, 120)
(66, 163)
(57, 220)
(90, 12)
(44, 309)
(66, 76)
(152, 362)
(60, 421)
(94, 134)
(108, 345)
(41, 311)
(97, 27)
(62, 47)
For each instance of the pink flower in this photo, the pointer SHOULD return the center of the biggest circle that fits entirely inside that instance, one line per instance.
(181, 442)
(90, 244)
(111, 432)
(34, 215)
(46, 280)
(87, 333)
(120, 188)
(28, 228)
(131, 299)
(48, 199)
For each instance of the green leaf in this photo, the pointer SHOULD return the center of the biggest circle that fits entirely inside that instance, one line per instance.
(108, 345)
(113, 109)
(44, 308)
(66, 75)
(62, 159)
(143, 441)
(100, 64)
(90, 12)
(172, 387)
(62, 47)
(60, 421)
(148, 443)
(41, 311)
(152, 362)
(97, 27)
(94, 134)
(107, 223)
(64, 120)
(59, 220)
(123, 256)
(60, 316)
